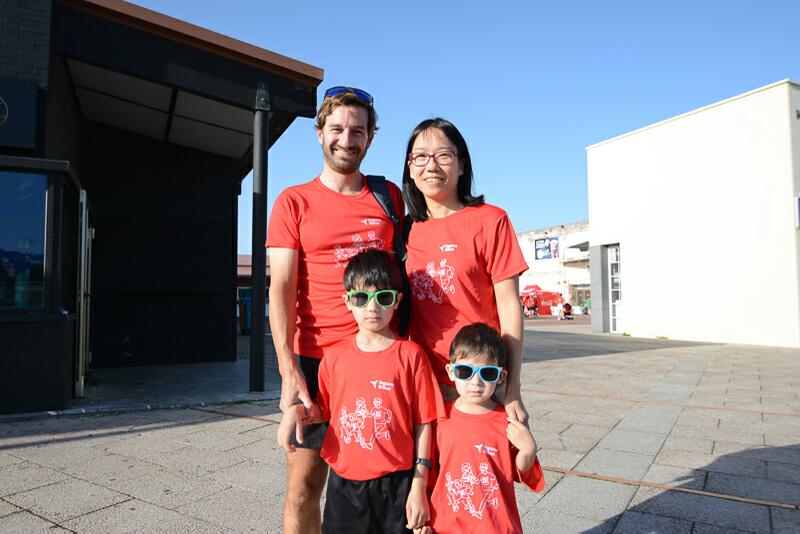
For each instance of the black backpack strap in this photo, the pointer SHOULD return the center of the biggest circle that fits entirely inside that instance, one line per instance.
(377, 184)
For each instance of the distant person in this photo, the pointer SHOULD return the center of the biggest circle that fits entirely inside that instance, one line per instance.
(482, 451)
(464, 260)
(378, 394)
(567, 310)
(314, 229)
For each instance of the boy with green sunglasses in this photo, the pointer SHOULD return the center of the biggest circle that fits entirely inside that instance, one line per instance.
(379, 396)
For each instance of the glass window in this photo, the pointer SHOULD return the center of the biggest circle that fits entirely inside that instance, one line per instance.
(22, 222)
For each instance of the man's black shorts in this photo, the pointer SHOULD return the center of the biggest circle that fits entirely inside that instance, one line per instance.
(377, 505)
(313, 435)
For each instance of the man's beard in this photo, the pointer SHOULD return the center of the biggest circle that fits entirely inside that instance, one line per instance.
(348, 166)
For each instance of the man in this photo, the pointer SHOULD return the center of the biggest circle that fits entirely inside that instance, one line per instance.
(314, 229)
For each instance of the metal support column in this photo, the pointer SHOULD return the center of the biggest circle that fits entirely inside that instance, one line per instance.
(259, 251)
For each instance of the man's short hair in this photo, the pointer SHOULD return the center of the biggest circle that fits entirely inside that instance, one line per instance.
(346, 99)
(478, 340)
(372, 268)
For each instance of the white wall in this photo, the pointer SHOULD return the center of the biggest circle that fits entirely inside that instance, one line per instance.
(701, 206)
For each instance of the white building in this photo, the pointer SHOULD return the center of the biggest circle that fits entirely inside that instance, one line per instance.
(694, 224)
(558, 258)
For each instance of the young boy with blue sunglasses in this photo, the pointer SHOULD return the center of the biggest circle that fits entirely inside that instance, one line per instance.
(379, 396)
(481, 451)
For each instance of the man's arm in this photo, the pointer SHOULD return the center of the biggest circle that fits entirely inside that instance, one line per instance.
(282, 322)
(506, 293)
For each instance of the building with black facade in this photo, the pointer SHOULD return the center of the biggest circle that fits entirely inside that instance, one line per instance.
(124, 137)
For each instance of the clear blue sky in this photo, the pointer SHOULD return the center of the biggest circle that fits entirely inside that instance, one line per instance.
(529, 83)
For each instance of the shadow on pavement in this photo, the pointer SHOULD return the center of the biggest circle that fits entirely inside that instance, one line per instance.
(541, 346)
(754, 490)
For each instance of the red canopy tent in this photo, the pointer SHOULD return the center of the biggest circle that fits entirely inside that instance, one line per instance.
(544, 299)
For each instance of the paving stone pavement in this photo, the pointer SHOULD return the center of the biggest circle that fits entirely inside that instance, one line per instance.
(635, 436)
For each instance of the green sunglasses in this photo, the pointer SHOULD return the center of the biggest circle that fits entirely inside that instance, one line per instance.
(385, 298)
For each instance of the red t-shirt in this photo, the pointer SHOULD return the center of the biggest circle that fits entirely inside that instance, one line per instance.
(474, 490)
(453, 264)
(373, 400)
(327, 229)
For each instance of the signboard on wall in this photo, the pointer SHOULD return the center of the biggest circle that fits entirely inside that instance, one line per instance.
(546, 248)
(18, 110)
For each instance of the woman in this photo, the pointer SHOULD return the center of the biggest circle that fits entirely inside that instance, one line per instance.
(463, 261)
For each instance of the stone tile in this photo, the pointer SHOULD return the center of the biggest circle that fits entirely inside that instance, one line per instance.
(632, 441)
(27, 523)
(239, 510)
(58, 455)
(26, 476)
(637, 523)
(732, 464)
(784, 472)
(65, 500)
(6, 508)
(253, 476)
(676, 476)
(615, 463)
(194, 460)
(558, 458)
(705, 528)
(587, 498)
(137, 516)
(650, 418)
(581, 438)
(585, 418)
(234, 425)
(783, 521)
(110, 468)
(169, 489)
(675, 443)
(7, 459)
(719, 512)
(543, 521)
(754, 488)
(141, 446)
(219, 440)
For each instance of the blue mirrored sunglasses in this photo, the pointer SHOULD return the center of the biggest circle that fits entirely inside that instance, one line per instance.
(358, 93)
(487, 373)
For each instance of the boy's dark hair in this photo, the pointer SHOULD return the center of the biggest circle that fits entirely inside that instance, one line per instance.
(478, 339)
(372, 268)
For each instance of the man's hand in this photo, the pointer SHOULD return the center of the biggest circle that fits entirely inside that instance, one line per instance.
(514, 408)
(294, 390)
(294, 420)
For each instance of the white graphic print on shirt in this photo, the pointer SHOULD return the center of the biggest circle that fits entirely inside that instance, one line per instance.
(356, 425)
(343, 254)
(460, 491)
(435, 282)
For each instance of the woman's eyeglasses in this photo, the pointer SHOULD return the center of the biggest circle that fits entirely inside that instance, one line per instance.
(385, 297)
(420, 159)
(488, 373)
(358, 93)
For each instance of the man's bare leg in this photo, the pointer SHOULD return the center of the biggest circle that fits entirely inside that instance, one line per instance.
(307, 473)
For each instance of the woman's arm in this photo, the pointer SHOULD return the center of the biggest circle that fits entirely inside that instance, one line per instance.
(506, 293)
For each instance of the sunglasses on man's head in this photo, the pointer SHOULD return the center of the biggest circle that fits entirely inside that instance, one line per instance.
(358, 93)
(359, 298)
(487, 373)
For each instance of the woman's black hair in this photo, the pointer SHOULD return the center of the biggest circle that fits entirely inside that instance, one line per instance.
(415, 201)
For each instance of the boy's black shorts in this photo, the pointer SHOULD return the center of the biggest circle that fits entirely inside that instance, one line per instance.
(313, 435)
(369, 506)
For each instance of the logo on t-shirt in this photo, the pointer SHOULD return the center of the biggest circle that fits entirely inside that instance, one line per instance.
(462, 494)
(365, 425)
(368, 221)
(485, 449)
(343, 254)
(434, 283)
(448, 247)
(382, 384)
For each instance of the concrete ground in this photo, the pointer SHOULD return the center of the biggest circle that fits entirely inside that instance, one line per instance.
(635, 435)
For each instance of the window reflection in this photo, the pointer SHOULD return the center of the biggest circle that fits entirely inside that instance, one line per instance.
(22, 222)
